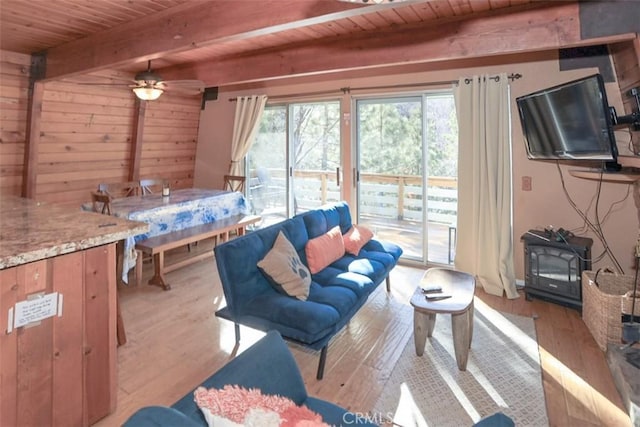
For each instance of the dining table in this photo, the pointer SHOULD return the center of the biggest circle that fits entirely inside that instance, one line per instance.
(181, 209)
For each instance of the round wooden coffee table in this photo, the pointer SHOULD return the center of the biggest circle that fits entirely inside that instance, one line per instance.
(461, 287)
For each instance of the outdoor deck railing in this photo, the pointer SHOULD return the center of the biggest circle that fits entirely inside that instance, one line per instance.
(381, 195)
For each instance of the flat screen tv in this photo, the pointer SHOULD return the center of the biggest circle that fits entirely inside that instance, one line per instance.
(571, 121)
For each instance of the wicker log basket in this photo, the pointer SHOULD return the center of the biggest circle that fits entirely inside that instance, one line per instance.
(603, 304)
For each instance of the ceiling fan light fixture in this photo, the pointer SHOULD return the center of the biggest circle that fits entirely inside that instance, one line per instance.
(147, 93)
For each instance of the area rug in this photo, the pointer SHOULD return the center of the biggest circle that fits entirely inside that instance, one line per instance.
(503, 375)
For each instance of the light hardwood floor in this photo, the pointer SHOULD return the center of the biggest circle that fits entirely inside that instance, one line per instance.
(175, 342)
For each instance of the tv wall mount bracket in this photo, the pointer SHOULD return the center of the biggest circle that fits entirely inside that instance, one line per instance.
(632, 119)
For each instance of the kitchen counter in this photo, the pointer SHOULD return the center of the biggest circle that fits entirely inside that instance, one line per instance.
(31, 231)
(58, 299)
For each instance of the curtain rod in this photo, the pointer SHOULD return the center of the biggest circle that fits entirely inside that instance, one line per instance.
(346, 90)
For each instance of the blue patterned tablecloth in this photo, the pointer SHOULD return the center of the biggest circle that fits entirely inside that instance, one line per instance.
(182, 209)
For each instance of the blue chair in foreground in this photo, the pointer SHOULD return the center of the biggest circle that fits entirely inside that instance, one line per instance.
(269, 366)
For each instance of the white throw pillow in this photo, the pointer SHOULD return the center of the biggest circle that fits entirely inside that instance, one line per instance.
(285, 271)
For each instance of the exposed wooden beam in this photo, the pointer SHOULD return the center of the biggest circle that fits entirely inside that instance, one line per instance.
(194, 24)
(34, 120)
(503, 33)
(32, 140)
(137, 134)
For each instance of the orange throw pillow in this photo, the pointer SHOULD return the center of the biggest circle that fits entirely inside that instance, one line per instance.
(323, 250)
(356, 238)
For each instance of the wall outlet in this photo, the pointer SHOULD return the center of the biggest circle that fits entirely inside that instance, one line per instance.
(526, 183)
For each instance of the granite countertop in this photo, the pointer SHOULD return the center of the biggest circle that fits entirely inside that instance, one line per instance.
(31, 230)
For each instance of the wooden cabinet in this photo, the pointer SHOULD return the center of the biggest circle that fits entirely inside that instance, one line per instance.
(62, 371)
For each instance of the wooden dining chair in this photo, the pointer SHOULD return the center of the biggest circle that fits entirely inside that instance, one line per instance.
(120, 189)
(151, 186)
(234, 183)
(101, 202)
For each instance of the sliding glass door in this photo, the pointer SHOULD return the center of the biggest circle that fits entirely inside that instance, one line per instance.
(405, 167)
(293, 163)
(315, 132)
(406, 171)
(441, 138)
(390, 162)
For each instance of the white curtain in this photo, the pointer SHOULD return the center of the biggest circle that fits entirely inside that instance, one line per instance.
(484, 246)
(249, 111)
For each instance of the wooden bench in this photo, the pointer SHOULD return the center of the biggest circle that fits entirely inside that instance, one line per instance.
(158, 245)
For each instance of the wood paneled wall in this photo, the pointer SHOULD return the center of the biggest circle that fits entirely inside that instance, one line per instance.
(85, 139)
(14, 88)
(626, 60)
(86, 134)
(170, 137)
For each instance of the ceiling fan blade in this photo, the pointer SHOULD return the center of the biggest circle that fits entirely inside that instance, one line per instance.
(96, 84)
(185, 83)
(148, 79)
(185, 91)
(148, 84)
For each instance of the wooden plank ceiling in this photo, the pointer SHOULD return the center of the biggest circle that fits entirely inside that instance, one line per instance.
(190, 39)
(28, 26)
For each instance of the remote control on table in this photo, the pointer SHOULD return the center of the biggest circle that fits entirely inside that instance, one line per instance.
(437, 296)
(427, 289)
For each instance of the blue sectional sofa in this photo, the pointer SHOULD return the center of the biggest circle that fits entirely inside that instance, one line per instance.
(336, 292)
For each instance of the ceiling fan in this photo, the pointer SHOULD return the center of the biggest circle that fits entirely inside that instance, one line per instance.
(149, 85)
